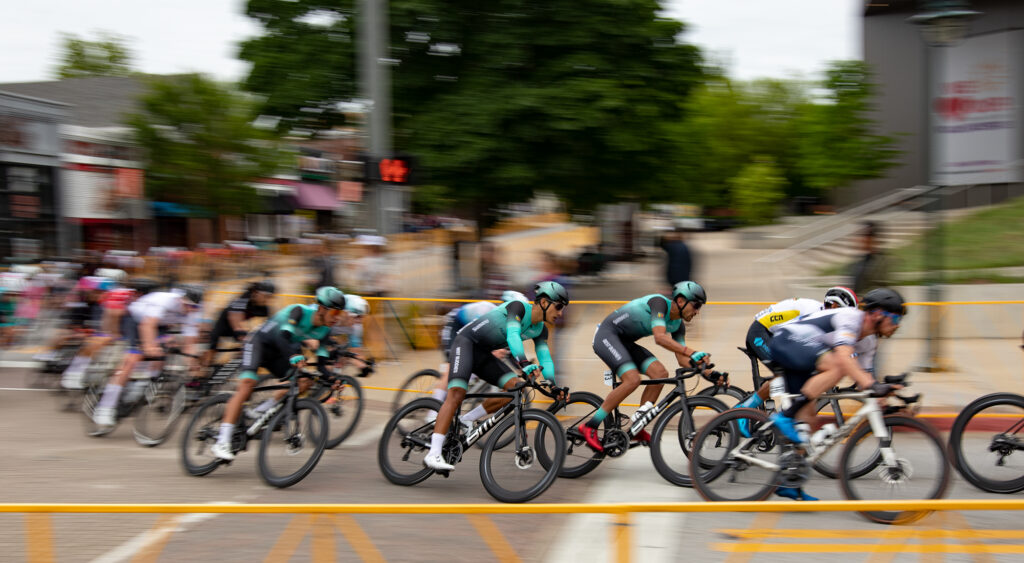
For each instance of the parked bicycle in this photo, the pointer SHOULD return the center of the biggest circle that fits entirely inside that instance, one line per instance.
(983, 440)
(886, 455)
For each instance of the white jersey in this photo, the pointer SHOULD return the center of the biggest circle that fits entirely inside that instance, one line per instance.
(169, 309)
(830, 328)
(787, 311)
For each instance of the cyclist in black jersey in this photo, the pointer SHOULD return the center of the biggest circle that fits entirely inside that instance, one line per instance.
(231, 322)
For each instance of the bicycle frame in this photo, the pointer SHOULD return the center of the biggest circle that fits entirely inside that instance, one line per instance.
(678, 391)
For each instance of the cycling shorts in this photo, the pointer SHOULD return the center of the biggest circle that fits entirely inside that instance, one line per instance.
(221, 329)
(758, 339)
(620, 356)
(130, 333)
(468, 358)
(797, 358)
(451, 328)
(260, 352)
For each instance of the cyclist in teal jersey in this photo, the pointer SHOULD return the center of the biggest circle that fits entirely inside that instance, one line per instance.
(615, 343)
(508, 325)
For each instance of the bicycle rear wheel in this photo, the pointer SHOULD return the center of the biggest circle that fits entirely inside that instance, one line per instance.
(673, 434)
(727, 394)
(292, 443)
(734, 467)
(162, 406)
(514, 473)
(417, 386)
(986, 443)
(406, 441)
(200, 434)
(921, 470)
(344, 407)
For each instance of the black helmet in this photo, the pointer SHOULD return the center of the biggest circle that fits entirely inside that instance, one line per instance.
(192, 292)
(885, 299)
(143, 286)
(553, 291)
(264, 286)
(330, 297)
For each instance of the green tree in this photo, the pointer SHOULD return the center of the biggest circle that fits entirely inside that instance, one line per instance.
(200, 145)
(108, 55)
(502, 98)
(757, 191)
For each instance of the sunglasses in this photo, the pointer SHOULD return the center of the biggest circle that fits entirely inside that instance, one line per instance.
(893, 317)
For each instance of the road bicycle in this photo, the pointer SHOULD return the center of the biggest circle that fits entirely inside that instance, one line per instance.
(984, 440)
(292, 434)
(520, 459)
(671, 437)
(886, 455)
(342, 400)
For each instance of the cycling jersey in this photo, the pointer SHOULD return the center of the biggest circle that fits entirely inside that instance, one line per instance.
(787, 311)
(458, 318)
(353, 335)
(117, 299)
(242, 304)
(830, 328)
(276, 340)
(169, 309)
(798, 345)
(637, 319)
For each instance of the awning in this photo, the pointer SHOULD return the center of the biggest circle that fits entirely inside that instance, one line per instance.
(313, 196)
(171, 209)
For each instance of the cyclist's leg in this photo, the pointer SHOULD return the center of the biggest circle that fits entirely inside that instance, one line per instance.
(649, 366)
(440, 391)
(493, 371)
(462, 355)
(252, 358)
(613, 352)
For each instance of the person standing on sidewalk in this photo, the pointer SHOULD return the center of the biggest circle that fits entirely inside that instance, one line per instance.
(678, 258)
(871, 271)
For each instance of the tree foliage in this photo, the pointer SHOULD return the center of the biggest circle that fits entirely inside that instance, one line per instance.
(108, 55)
(757, 191)
(200, 145)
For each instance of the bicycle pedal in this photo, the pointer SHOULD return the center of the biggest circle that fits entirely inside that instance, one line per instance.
(443, 473)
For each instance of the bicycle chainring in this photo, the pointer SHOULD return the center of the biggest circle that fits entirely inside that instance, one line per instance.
(795, 469)
(452, 452)
(615, 442)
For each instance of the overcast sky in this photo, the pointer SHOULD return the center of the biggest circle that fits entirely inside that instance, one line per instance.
(754, 38)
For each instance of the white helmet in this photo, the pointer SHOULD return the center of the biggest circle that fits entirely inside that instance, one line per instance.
(510, 295)
(356, 305)
(112, 273)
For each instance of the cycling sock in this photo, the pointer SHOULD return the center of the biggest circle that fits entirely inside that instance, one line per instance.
(436, 441)
(439, 394)
(265, 405)
(79, 364)
(795, 406)
(599, 415)
(475, 414)
(111, 393)
(226, 430)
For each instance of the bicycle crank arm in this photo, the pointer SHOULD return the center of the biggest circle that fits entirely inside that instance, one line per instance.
(755, 461)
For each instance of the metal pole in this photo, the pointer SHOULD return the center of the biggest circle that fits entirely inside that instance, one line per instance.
(376, 78)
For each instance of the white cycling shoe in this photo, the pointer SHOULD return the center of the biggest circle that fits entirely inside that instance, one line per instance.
(72, 380)
(437, 463)
(222, 451)
(105, 417)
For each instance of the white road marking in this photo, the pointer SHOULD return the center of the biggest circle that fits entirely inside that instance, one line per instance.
(18, 364)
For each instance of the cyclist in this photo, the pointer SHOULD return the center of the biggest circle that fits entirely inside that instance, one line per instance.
(114, 302)
(277, 346)
(230, 323)
(615, 343)
(350, 325)
(816, 352)
(150, 319)
(768, 321)
(508, 325)
(455, 320)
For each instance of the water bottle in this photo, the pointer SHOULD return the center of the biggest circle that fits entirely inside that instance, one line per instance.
(640, 411)
(777, 391)
(823, 434)
(608, 379)
(804, 431)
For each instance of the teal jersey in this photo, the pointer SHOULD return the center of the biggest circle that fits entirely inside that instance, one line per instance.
(491, 329)
(637, 319)
(296, 323)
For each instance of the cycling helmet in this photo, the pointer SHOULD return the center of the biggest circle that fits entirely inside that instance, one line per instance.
(330, 297)
(356, 305)
(553, 291)
(691, 291)
(112, 273)
(105, 284)
(841, 296)
(885, 299)
(192, 292)
(510, 295)
(143, 285)
(264, 286)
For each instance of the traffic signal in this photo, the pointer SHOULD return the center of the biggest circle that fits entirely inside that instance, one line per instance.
(390, 170)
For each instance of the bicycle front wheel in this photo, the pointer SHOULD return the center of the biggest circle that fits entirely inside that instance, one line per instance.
(832, 411)
(292, 443)
(418, 385)
(580, 459)
(728, 394)
(919, 468)
(741, 457)
(406, 441)
(344, 407)
(201, 434)
(673, 434)
(986, 444)
(515, 473)
(162, 407)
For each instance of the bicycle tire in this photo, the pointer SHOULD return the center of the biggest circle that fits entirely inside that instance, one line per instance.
(350, 403)
(727, 390)
(702, 477)
(394, 435)
(966, 464)
(852, 486)
(579, 458)
(685, 433)
(416, 384)
(288, 422)
(829, 466)
(546, 426)
(204, 432)
(162, 406)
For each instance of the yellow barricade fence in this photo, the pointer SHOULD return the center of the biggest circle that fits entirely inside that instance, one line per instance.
(39, 532)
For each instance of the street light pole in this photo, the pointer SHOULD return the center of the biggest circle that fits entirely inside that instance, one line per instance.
(376, 78)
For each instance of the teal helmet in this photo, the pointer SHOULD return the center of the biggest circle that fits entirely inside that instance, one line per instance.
(554, 291)
(691, 291)
(330, 298)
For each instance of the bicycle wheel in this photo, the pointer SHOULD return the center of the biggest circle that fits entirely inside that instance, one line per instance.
(579, 458)
(832, 412)
(406, 441)
(292, 443)
(344, 408)
(201, 433)
(162, 406)
(733, 467)
(673, 434)
(514, 473)
(417, 386)
(728, 394)
(983, 441)
(920, 471)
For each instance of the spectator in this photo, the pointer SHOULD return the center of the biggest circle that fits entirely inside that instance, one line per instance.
(325, 264)
(871, 271)
(493, 277)
(678, 258)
